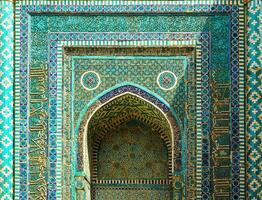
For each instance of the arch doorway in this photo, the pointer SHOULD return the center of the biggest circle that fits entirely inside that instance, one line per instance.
(130, 150)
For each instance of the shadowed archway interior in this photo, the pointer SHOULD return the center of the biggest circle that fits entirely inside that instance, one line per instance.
(132, 151)
(130, 144)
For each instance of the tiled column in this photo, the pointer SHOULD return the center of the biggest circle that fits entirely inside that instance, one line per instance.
(6, 99)
(254, 101)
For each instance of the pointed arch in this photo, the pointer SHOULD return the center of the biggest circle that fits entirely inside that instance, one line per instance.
(117, 94)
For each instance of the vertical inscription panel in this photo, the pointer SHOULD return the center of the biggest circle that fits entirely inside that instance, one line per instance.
(38, 132)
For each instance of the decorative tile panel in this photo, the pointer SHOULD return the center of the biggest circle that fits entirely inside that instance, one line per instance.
(45, 92)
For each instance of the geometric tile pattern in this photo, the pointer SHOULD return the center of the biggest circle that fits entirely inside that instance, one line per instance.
(110, 67)
(236, 108)
(254, 102)
(102, 193)
(6, 100)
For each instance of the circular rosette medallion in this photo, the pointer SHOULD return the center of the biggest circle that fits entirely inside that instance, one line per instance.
(90, 80)
(166, 80)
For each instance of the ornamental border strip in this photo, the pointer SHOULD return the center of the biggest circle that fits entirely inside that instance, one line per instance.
(237, 98)
(254, 104)
(23, 35)
(126, 2)
(6, 99)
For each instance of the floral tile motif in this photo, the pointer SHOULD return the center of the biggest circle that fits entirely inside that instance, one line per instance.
(6, 100)
(254, 102)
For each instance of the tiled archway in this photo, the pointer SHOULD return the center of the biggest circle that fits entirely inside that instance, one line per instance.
(123, 110)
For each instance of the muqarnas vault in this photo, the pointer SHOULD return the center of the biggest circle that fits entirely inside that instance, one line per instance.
(130, 99)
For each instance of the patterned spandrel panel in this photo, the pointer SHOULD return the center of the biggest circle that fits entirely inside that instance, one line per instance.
(93, 75)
